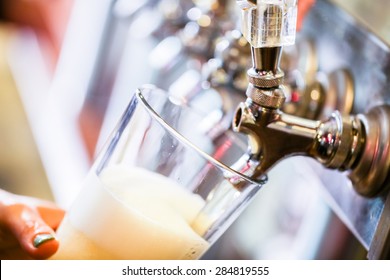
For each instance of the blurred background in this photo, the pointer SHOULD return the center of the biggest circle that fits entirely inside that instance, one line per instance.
(68, 69)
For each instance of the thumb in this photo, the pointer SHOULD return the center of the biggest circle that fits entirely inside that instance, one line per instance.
(33, 234)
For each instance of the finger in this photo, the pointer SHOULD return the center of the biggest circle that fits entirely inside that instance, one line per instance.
(52, 216)
(33, 234)
(50, 213)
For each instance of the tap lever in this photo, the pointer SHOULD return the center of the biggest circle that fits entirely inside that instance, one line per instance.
(269, 23)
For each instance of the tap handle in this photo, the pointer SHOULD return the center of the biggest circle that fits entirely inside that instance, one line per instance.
(269, 23)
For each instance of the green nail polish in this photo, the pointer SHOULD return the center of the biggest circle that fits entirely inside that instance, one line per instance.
(42, 238)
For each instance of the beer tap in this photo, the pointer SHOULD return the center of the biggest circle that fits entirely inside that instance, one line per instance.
(359, 144)
(191, 45)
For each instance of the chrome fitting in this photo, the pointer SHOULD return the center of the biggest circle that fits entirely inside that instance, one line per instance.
(265, 79)
(268, 98)
(359, 144)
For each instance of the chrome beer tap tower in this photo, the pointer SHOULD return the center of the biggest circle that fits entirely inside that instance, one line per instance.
(359, 144)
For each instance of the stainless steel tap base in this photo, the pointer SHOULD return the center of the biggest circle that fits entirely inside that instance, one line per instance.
(371, 176)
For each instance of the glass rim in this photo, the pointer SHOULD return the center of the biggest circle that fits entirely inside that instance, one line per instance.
(184, 140)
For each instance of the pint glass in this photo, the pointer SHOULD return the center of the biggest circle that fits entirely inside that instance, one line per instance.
(163, 187)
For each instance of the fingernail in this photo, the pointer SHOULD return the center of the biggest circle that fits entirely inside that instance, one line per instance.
(42, 238)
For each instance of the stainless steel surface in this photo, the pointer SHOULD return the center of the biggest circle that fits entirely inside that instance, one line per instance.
(380, 245)
(373, 15)
(344, 41)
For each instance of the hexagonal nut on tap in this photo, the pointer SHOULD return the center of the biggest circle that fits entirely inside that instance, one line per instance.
(269, 98)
